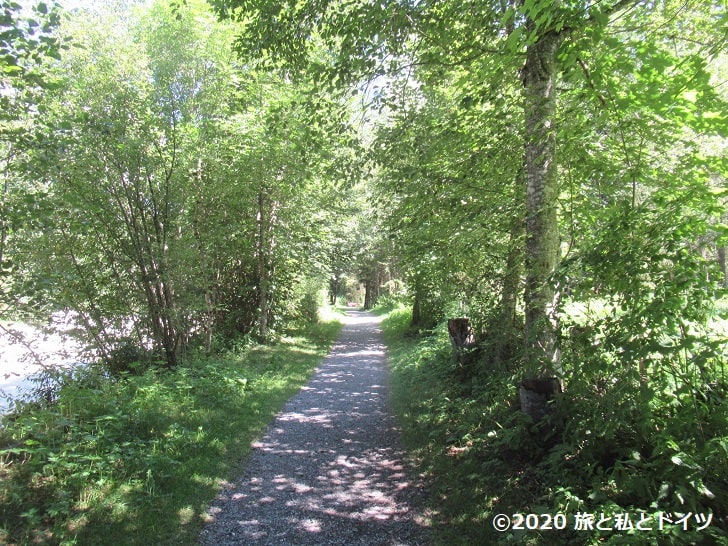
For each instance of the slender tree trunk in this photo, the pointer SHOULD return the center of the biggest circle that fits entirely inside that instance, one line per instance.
(417, 306)
(334, 285)
(542, 189)
(266, 220)
(505, 334)
(367, 294)
(262, 269)
(145, 242)
(209, 309)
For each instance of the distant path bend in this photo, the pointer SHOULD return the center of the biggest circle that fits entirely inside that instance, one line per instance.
(329, 470)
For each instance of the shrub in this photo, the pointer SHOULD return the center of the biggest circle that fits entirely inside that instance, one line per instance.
(616, 443)
(128, 358)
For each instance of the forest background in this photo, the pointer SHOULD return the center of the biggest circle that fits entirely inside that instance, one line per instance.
(184, 180)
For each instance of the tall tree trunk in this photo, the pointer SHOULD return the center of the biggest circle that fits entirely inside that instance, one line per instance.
(371, 289)
(542, 189)
(266, 220)
(209, 308)
(262, 270)
(417, 305)
(368, 296)
(505, 334)
(334, 285)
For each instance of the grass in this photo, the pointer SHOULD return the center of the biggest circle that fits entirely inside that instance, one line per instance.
(137, 461)
(432, 427)
(624, 449)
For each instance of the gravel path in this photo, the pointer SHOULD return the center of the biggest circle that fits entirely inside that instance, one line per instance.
(328, 469)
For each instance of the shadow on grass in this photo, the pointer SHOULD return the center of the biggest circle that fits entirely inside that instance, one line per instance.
(137, 462)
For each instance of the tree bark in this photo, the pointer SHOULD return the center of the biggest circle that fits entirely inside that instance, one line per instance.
(505, 335)
(542, 189)
(266, 242)
(208, 317)
(417, 306)
(334, 285)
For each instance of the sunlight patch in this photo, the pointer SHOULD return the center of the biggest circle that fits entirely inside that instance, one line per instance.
(311, 525)
(186, 515)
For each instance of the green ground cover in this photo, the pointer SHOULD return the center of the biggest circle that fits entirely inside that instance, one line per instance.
(136, 460)
(609, 448)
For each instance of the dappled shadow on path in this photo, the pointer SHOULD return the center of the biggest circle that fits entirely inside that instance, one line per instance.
(328, 470)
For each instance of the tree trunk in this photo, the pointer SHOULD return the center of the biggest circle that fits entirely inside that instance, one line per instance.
(145, 211)
(722, 265)
(542, 189)
(462, 339)
(505, 335)
(334, 285)
(266, 220)
(417, 307)
(371, 292)
(535, 395)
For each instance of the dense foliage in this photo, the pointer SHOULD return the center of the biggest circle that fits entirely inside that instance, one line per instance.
(168, 192)
(556, 172)
(553, 170)
(610, 447)
(632, 304)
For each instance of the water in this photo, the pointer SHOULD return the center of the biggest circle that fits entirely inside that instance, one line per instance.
(26, 350)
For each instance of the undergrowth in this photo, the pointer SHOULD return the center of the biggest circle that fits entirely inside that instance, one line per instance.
(610, 447)
(136, 460)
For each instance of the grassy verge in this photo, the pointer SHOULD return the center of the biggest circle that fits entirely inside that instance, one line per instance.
(433, 427)
(136, 461)
(641, 452)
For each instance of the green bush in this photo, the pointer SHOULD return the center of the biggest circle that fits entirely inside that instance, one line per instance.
(614, 444)
(128, 358)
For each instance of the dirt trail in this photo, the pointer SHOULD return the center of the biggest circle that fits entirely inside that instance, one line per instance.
(328, 469)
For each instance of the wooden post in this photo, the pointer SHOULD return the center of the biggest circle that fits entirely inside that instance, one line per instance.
(462, 338)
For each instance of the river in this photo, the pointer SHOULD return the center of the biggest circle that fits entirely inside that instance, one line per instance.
(26, 349)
